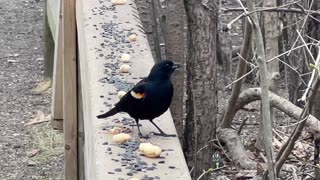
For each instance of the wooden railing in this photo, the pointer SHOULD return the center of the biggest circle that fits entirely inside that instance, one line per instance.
(90, 37)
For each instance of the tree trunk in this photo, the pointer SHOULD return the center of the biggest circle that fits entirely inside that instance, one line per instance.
(149, 17)
(271, 43)
(175, 13)
(271, 34)
(265, 101)
(201, 68)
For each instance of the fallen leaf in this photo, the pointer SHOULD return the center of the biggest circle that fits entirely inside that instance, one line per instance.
(39, 118)
(31, 163)
(42, 86)
(33, 152)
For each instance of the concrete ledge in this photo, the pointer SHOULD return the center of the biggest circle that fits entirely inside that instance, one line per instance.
(103, 32)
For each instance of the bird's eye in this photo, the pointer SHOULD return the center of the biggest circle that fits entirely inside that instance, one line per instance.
(167, 65)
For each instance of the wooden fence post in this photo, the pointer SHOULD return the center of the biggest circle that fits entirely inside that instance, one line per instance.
(70, 88)
(57, 87)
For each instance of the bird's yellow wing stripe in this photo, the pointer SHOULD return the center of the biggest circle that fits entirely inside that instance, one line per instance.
(136, 95)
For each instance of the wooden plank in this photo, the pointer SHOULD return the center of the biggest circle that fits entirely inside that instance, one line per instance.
(57, 90)
(102, 38)
(53, 13)
(70, 89)
(48, 48)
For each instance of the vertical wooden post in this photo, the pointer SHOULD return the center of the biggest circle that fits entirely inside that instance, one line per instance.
(49, 45)
(70, 89)
(57, 88)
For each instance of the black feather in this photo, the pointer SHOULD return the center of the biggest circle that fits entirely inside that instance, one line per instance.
(112, 112)
(157, 91)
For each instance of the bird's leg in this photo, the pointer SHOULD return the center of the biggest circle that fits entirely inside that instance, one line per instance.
(140, 134)
(161, 132)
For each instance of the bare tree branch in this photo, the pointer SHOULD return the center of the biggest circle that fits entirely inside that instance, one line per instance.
(273, 9)
(237, 151)
(304, 96)
(288, 146)
(282, 104)
(227, 119)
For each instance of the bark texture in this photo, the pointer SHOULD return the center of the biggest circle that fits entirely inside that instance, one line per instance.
(148, 12)
(236, 148)
(265, 102)
(271, 21)
(271, 33)
(201, 68)
(175, 13)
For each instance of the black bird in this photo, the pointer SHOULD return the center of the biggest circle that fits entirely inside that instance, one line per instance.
(149, 98)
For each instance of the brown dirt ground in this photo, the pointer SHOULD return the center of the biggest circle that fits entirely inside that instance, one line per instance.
(21, 57)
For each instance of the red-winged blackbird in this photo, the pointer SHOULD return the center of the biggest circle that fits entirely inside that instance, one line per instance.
(149, 98)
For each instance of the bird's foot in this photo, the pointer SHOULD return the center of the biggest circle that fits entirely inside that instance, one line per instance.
(164, 134)
(143, 137)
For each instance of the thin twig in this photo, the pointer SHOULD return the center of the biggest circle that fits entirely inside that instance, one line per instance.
(242, 124)
(305, 45)
(286, 149)
(225, 153)
(304, 22)
(276, 133)
(294, 124)
(269, 60)
(240, 78)
(209, 171)
(246, 13)
(251, 64)
(304, 96)
(263, 157)
(287, 52)
(295, 70)
(205, 146)
(272, 9)
(242, 15)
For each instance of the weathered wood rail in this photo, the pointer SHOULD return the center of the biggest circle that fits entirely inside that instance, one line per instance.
(86, 82)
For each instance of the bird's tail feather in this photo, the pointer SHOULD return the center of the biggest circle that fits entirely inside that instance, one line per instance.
(112, 112)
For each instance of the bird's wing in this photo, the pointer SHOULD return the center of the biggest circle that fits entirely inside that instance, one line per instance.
(145, 79)
(138, 91)
(135, 93)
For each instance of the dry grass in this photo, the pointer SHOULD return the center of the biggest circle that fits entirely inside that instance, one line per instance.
(48, 141)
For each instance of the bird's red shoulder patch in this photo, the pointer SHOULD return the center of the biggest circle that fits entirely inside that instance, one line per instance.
(137, 95)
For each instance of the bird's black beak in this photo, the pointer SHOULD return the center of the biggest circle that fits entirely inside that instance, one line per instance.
(176, 65)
